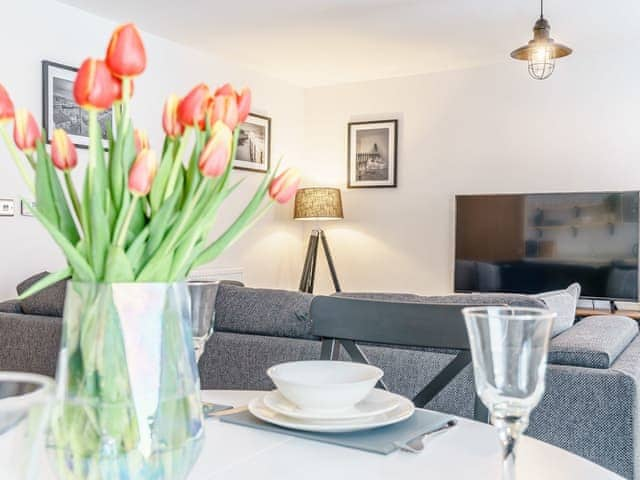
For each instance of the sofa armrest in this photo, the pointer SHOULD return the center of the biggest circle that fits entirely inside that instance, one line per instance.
(10, 306)
(29, 343)
(594, 342)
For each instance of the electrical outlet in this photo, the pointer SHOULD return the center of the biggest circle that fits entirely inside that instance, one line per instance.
(24, 211)
(7, 207)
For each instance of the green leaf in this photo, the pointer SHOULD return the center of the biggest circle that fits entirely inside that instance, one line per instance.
(44, 195)
(118, 266)
(76, 261)
(99, 226)
(136, 250)
(160, 182)
(46, 282)
(161, 222)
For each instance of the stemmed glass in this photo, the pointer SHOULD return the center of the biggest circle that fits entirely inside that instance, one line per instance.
(509, 350)
(25, 399)
(203, 295)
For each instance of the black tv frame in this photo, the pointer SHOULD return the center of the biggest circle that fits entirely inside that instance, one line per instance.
(611, 300)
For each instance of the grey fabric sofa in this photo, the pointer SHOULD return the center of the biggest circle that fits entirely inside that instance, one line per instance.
(590, 406)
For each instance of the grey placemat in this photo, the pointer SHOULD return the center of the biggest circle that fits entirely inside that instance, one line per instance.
(378, 440)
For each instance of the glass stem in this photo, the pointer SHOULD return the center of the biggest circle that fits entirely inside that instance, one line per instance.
(509, 429)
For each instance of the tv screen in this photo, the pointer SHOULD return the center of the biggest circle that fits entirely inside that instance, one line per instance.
(533, 243)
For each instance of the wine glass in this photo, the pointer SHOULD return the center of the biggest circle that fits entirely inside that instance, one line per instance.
(24, 406)
(203, 296)
(509, 349)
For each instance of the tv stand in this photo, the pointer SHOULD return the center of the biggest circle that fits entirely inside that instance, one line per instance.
(590, 312)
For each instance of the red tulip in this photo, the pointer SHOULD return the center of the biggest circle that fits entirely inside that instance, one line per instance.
(244, 104)
(126, 56)
(26, 131)
(172, 127)
(142, 173)
(141, 140)
(95, 87)
(192, 109)
(224, 109)
(225, 89)
(215, 155)
(285, 185)
(6, 106)
(63, 151)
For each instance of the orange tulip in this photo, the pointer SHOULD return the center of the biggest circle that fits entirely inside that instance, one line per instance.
(141, 140)
(95, 87)
(142, 173)
(126, 56)
(63, 151)
(172, 127)
(192, 109)
(285, 185)
(215, 155)
(6, 106)
(224, 109)
(244, 104)
(26, 131)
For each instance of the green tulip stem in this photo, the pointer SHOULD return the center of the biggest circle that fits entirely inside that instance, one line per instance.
(126, 96)
(124, 228)
(73, 195)
(16, 158)
(177, 163)
(31, 161)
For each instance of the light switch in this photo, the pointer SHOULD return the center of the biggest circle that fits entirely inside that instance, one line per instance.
(7, 207)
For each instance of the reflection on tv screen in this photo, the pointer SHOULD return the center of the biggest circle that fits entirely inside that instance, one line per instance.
(539, 242)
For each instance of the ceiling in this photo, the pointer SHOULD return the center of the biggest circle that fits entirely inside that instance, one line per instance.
(321, 42)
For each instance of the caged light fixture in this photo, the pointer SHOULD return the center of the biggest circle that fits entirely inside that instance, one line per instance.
(541, 52)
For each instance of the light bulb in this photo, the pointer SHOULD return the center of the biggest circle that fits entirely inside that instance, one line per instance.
(541, 62)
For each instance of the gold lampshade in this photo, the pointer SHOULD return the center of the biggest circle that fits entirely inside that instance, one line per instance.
(318, 203)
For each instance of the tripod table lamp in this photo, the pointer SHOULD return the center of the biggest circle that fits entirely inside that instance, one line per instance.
(317, 203)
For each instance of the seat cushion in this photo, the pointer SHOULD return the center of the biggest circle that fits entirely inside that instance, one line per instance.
(514, 300)
(47, 302)
(563, 304)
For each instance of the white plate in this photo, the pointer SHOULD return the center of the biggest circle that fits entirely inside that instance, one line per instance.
(398, 414)
(376, 403)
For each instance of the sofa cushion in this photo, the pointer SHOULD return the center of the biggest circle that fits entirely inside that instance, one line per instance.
(513, 300)
(594, 342)
(49, 301)
(563, 304)
(260, 311)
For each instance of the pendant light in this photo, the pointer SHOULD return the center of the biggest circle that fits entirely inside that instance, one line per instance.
(542, 51)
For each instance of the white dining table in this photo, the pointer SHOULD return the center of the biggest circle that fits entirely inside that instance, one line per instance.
(471, 450)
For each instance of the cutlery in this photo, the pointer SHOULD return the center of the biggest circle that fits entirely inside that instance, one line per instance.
(416, 444)
(228, 411)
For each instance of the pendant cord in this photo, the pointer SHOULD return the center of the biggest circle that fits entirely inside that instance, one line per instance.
(541, 8)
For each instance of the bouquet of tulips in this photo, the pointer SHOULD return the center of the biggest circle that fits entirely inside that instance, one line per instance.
(141, 219)
(137, 217)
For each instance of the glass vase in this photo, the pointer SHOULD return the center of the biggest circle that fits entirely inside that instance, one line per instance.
(128, 392)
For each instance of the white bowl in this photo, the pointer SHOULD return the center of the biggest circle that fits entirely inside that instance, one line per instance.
(324, 385)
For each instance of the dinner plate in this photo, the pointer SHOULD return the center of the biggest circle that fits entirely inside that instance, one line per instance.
(403, 411)
(376, 403)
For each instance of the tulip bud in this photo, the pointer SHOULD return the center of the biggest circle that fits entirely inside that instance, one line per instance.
(6, 106)
(142, 173)
(244, 104)
(224, 109)
(95, 87)
(192, 109)
(215, 155)
(26, 131)
(63, 151)
(141, 140)
(172, 127)
(225, 89)
(285, 185)
(126, 56)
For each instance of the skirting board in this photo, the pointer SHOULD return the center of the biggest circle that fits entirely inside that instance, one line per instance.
(211, 274)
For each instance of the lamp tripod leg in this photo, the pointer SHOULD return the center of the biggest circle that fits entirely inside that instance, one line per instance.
(309, 269)
(332, 268)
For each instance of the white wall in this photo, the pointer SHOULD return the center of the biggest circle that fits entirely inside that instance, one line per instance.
(481, 130)
(35, 30)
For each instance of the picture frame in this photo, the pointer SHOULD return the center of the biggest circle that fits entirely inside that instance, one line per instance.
(59, 108)
(372, 154)
(254, 144)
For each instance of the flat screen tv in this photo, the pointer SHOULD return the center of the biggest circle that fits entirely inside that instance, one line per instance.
(531, 243)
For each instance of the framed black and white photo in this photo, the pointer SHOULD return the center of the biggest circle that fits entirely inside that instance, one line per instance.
(254, 144)
(372, 154)
(59, 108)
